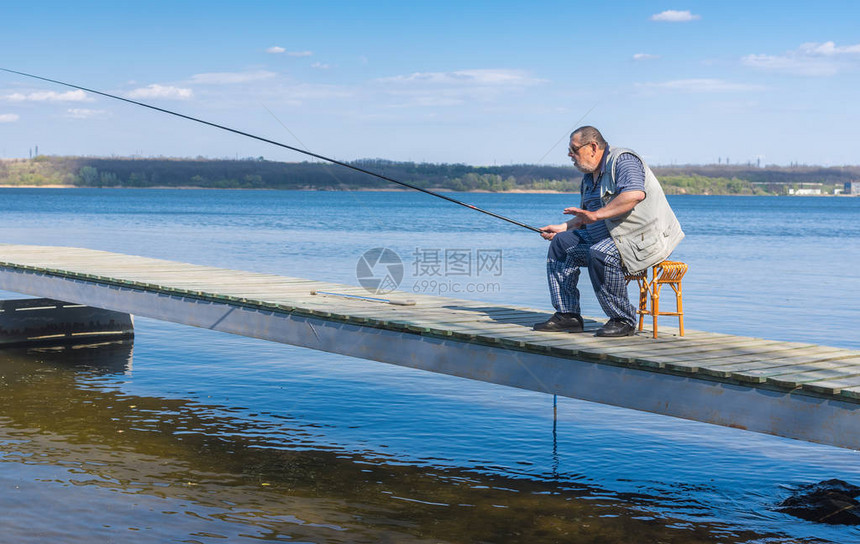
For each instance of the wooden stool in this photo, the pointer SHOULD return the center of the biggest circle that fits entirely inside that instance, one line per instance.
(665, 273)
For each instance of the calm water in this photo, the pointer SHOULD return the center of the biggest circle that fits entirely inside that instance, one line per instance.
(196, 436)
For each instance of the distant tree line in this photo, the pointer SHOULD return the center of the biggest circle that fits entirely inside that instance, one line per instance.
(258, 173)
(262, 174)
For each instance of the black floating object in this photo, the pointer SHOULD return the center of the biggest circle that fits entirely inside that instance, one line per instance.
(832, 501)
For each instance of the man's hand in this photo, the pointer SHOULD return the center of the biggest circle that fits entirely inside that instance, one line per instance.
(548, 232)
(619, 205)
(584, 217)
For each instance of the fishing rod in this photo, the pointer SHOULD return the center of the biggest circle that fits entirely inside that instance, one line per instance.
(279, 144)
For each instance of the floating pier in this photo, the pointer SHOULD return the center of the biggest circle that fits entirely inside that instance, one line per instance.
(44, 321)
(789, 389)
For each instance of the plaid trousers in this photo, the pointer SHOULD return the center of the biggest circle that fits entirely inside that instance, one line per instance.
(573, 249)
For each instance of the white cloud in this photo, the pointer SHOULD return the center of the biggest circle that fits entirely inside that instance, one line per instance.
(792, 65)
(300, 93)
(275, 50)
(673, 16)
(645, 56)
(830, 49)
(160, 91)
(430, 100)
(49, 96)
(810, 59)
(83, 113)
(314, 92)
(8, 117)
(482, 77)
(320, 66)
(701, 85)
(455, 88)
(300, 53)
(226, 78)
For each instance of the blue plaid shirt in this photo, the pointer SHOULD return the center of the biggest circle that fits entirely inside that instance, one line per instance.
(630, 176)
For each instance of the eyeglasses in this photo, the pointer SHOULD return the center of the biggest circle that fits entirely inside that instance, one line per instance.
(571, 150)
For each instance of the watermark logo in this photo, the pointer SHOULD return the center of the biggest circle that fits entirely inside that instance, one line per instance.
(440, 271)
(379, 270)
(445, 262)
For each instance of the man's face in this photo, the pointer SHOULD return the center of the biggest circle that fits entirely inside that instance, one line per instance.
(586, 157)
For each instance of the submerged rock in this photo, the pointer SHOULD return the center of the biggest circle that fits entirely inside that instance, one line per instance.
(831, 501)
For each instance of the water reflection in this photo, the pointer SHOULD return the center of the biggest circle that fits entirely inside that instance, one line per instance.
(145, 468)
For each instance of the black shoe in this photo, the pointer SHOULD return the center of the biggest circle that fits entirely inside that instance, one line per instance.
(561, 322)
(616, 327)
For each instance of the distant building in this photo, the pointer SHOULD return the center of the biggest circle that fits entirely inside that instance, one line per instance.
(804, 192)
(852, 188)
(806, 189)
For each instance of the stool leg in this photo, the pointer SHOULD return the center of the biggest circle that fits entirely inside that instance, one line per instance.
(655, 306)
(643, 302)
(680, 303)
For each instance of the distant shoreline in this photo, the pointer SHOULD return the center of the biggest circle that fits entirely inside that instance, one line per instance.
(371, 190)
(329, 190)
(68, 172)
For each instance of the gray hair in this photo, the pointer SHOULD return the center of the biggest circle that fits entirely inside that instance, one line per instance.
(589, 134)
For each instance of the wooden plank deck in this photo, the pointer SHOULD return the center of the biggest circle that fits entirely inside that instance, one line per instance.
(474, 339)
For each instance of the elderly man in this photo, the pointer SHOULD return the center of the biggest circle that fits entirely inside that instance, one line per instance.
(624, 223)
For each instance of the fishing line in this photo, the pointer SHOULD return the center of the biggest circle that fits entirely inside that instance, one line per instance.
(285, 146)
(324, 165)
(567, 134)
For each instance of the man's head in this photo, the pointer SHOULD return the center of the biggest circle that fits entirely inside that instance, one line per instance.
(586, 149)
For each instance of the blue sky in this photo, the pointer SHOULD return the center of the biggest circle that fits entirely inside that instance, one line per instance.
(476, 82)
